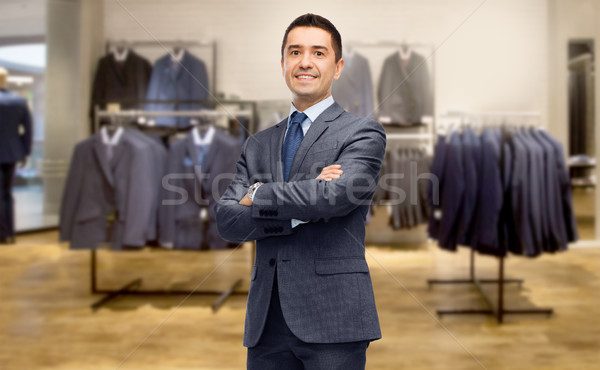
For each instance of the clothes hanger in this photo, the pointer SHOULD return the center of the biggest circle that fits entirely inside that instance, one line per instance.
(178, 51)
(405, 50)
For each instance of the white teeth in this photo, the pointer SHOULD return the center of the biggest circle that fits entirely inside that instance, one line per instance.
(306, 77)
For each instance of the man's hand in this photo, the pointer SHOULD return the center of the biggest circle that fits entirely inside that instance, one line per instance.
(330, 173)
(246, 201)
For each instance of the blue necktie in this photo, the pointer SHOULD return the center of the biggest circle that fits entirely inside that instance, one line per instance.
(201, 151)
(292, 142)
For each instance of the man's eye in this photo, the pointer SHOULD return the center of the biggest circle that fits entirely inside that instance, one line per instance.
(320, 53)
(295, 52)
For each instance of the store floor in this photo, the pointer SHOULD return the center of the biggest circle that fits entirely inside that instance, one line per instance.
(46, 321)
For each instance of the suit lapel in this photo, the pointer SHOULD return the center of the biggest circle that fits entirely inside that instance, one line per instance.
(100, 152)
(276, 146)
(314, 132)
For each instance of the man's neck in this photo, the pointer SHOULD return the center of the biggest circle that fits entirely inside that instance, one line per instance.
(303, 105)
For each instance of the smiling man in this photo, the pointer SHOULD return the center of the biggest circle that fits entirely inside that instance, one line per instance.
(302, 190)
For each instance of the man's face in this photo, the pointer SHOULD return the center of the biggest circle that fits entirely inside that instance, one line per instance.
(309, 65)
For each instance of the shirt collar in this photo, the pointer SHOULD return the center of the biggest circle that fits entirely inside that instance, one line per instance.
(314, 111)
(208, 136)
(114, 140)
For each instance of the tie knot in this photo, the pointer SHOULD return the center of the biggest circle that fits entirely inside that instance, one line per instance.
(297, 117)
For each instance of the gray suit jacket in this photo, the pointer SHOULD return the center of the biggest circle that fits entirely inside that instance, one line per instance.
(324, 283)
(354, 89)
(97, 189)
(204, 183)
(405, 94)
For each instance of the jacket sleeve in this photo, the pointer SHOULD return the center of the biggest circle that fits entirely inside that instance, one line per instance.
(140, 188)
(71, 195)
(98, 87)
(27, 137)
(315, 200)
(234, 221)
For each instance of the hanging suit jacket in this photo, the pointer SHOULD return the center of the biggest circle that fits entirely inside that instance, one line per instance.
(119, 81)
(186, 80)
(470, 148)
(434, 190)
(325, 288)
(556, 239)
(204, 183)
(452, 193)
(159, 157)
(354, 89)
(520, 235)
(14, 112)
(404, 94)
(409, 172)
(109, 201)
(489, 204)
(568, 215)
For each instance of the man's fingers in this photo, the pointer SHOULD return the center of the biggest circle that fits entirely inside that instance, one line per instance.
(328, 177)
(329, 173)
(333, 167)
(331, 170)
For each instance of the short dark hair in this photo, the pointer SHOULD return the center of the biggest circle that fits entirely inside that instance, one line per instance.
(313, 20)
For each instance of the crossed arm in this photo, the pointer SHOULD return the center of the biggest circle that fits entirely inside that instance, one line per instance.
(328, 173)
(313, 200)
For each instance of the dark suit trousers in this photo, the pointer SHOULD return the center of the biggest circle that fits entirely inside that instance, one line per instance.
(278, 348)
(7, 224)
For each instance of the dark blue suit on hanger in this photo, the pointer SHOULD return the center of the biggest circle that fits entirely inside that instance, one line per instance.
(452, 193)
(14, 147)
(184, 80)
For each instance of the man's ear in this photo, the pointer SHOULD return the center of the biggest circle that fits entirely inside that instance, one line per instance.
(338, 68)
(282, 69)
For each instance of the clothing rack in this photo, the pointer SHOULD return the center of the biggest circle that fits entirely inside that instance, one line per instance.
(131, 287)
(249, 112)
(479, 118)
(211, 45)
(497, 308)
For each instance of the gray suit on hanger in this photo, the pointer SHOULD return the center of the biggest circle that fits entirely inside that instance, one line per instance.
(324, 284)
(109, 201)
(354, 89)
(404, 94)
(204, 183)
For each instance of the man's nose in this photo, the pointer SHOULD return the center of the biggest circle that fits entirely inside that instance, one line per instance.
(306, 61)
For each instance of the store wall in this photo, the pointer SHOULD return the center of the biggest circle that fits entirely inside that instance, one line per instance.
(490, 57)
(22, 18)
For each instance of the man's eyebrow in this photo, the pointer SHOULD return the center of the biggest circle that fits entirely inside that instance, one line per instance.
(320, 47)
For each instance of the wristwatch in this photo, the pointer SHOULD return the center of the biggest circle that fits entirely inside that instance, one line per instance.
(252, 189)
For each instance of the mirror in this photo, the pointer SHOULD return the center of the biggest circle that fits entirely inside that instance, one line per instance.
(582, 153)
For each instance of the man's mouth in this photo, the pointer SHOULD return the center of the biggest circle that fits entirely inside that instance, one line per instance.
(306, 77)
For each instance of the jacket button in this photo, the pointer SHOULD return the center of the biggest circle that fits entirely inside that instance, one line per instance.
(272, 262)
